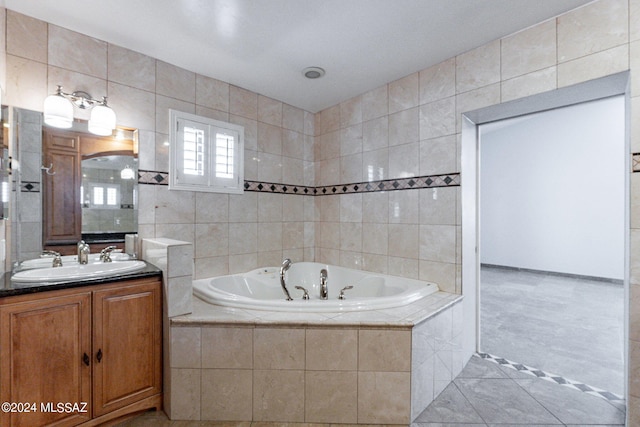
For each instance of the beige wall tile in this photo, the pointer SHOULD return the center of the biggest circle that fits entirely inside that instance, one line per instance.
(593, 28)
(243, 208)
(404, 240)
(269, 207)
(26, 37)
(166, 103)
(351, 112)
(131, 68)
(530, 50)
(438, 118)
(404, 127)
(376, 205)
(384, 350)
(441, 273)
(404, 160)
(384, 397)
(227, 395)
(277, 395)
(634, 368)
(375, 239)
(350, 207)
(211, 240)
(634, 315)
(175, 207)
(438, 82)
(134, 108)
(185, 394)
(276, 348)
(478, 68)
(293, 118)
(331, 349)
(351, 140)
(438, 205)
(634, 20)
(211, 267)
(404, 93)
(329, 120)
(375, 103)
(269, 167)
(185, 347)
(26, 83)
(404, 207)
(293, 144)
(77, 52)
(269, 111)
(438, 155)
(212, 93)
(243, 102)
(331, 397)
(242, 263)
(529, 84)
(269, 236)
(236, 353)
(375, 165)
(593, 66)
(375, 134)
(351, 169)
(438, 243)
(351, 236)
(243, 238)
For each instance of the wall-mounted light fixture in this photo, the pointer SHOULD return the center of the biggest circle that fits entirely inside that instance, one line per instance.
(127, 173)
(58, 111)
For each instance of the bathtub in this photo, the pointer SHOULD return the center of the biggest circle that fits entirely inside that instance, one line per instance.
(260, 289)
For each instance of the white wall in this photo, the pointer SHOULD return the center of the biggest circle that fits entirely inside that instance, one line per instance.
(552, 190)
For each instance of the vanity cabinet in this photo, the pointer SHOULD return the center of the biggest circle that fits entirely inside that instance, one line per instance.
(99, 345)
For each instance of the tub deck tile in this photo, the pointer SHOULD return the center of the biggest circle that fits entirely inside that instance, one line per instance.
(400, 317)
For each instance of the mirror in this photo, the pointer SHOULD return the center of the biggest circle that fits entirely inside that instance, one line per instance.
(71, 185)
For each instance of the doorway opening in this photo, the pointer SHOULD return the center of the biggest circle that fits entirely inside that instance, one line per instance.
(597, 89)
(552, 241)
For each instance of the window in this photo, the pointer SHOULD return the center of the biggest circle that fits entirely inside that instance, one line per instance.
(102, 196)
(205, 154)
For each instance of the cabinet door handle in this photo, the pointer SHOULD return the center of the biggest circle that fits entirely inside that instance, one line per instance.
(85, 359)
(99, 355)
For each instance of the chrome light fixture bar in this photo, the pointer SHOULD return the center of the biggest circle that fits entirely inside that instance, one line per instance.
(58, 111)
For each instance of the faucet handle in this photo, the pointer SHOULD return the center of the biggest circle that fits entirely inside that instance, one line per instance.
(105, 254)
(306, 293)
(346, 288)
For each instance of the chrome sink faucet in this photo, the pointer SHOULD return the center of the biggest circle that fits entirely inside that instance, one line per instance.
(105, 254)
(324, 289)
(286, 264)
(83, 252)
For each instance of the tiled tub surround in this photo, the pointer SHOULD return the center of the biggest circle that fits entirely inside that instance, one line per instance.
(374, 367)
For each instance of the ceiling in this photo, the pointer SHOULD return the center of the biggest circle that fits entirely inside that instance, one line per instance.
(264, 45)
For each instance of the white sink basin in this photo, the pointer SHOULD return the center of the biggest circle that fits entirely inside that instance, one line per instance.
(47, 261)
(76, 271)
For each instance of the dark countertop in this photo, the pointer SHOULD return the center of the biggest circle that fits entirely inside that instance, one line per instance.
(9, 288)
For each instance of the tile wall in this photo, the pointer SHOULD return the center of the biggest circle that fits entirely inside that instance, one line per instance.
(409, 127)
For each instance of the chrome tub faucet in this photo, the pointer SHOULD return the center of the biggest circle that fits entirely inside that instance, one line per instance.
(324, 289)
(286, 264)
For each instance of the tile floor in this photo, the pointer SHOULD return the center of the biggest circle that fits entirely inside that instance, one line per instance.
(568, 326)
(487, 394)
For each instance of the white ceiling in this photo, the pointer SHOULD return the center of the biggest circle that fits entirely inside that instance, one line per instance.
(263, 45)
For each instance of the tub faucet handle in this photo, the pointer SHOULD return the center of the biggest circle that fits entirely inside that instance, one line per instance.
(346, 288)
(306, 293)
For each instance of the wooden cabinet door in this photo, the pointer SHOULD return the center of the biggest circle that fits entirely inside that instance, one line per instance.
(127, 345)
(62, 218)
(42, 349)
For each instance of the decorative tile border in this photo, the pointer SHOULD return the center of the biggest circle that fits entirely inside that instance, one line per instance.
(30, 187)
(153, 177)
(576, 385)
(635, 162)
(429, 181)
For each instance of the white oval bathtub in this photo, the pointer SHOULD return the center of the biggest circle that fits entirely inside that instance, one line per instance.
(260, 289)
